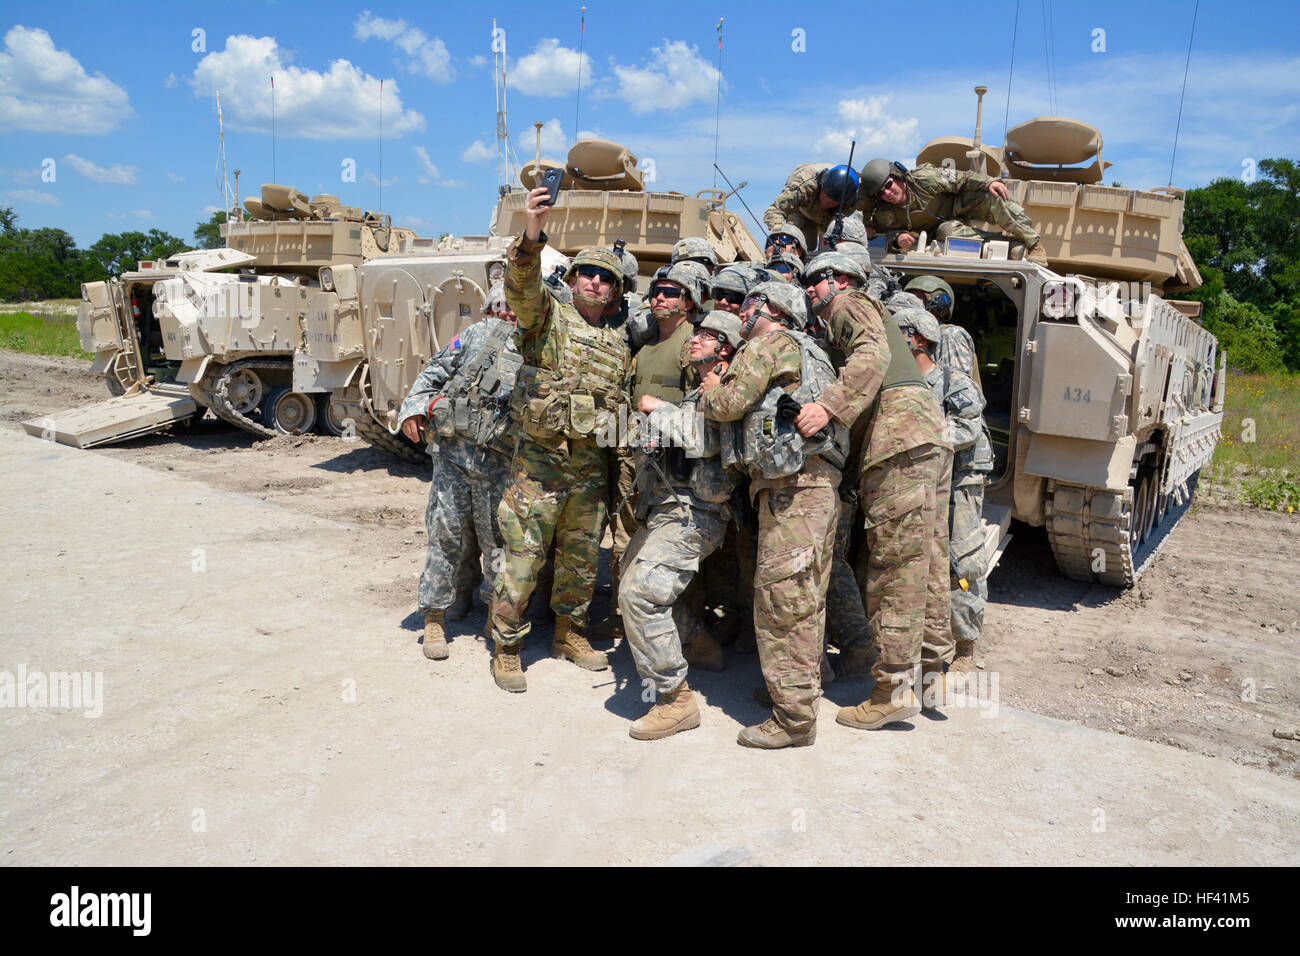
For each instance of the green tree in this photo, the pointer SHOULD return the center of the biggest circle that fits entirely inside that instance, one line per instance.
(119, 252)
(7, 219)
(207, 235)
(38, 264)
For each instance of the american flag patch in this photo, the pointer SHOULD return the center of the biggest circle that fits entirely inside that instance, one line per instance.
(455, 343)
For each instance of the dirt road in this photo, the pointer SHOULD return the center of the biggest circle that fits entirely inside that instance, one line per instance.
(223, 690)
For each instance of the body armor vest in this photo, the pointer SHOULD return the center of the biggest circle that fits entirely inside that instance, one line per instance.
(563, 402)
(475, 401)
(768, 447)
(692, 455)
(659, 369)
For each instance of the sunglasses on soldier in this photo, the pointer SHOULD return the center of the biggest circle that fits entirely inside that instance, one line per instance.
(667, 291)
(889, 181)
(781, 267)
(782, 241)
(731, 298)
(596, 272)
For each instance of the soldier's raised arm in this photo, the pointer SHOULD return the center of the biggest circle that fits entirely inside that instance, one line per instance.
(525, 293)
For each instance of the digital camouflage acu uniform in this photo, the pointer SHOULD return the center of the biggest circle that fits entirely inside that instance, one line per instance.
(799, 203)
(963, 408)
(469, 473)
(941, 202)
(904, 466)
(573, 372)
(684, 509)
(796, 536)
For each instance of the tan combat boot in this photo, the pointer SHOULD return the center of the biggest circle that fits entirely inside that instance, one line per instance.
(770, 735)
(435, 639)
(964, 662)
(460, 607)
(881, 708)
(1037, 255)
(934, 687)
(674, 713)
(704, 652)
(856, 661)
(572, 646)
(508, 670)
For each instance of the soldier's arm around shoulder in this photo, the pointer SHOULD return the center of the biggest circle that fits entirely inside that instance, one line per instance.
(744, 384)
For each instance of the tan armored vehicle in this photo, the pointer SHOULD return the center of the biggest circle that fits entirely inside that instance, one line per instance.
(1104, 398)
(218, 328)
(399, 309)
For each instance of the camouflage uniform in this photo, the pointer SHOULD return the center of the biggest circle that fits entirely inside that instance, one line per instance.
(904, 463)
(963, 407)
(575, 372)
(468, 481)
(796, 537)
(941, 202)
(685, 520)
(799, 203)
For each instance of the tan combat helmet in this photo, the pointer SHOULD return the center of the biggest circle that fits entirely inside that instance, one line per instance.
(788, 299)
(695, 249)
(603, 258)
(724, 323)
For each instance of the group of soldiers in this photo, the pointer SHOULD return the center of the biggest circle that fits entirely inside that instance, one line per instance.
(785, 455)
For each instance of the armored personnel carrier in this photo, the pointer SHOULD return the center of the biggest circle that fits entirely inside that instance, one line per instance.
(399, 308)
(1105, 398)
(217, 329)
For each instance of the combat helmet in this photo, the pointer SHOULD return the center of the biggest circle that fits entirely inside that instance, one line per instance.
(689, 276)
(938, 295)
(787, 266)
(496, 299)
(903, 300)
(786, 298)
(876, 172)
(920, 321)
(604, 259)
(694, 247)
(630, 267)
(722, 322)
(731, 278)
(841, 184)
(834, 261)
(794, 232)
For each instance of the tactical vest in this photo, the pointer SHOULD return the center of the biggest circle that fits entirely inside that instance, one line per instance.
(768, 447)
(563, 402)
(475, 403)
(659, 369)
(976, 459)
(693, 441)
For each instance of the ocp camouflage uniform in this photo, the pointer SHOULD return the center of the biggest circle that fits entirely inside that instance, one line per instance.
(559, 475)
(468, 479)
(942, 202)
(684, 521)
(796, 537)
(799, 203)
(963, 408)
(904, 463)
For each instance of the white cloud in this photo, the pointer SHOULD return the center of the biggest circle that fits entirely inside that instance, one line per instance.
(427, 57)
(369, 177)
(33, 196)
(429, 172)
(171, 80)
(117, 174)
(877, 133)
(133, 214)
(478, 152)
(588, 134)
(175, 177)
(554, 142)
(339, 103)
(674, 77)
(21, 175)
(452, 183)
(44, 88)
(478, 60)
(209, 210)
(550, 70)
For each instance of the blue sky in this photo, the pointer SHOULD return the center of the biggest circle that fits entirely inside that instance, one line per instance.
(120, 97)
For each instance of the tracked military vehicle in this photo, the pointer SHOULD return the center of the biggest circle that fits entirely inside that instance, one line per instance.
(218, 328)
(1104, 398)
(398, 309)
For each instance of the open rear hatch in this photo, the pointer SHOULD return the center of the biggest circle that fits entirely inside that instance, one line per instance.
(117, 419)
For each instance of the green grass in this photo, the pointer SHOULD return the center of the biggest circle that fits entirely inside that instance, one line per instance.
(1258, 458)
(54, 334)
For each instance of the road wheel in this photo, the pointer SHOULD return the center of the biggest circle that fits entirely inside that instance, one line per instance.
(330, 415)
(289, 412)
(244, 390)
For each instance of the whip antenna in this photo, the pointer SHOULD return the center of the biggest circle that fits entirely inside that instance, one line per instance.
(717, 116)
(577, 103)
(273, 128)
(1182, 95)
